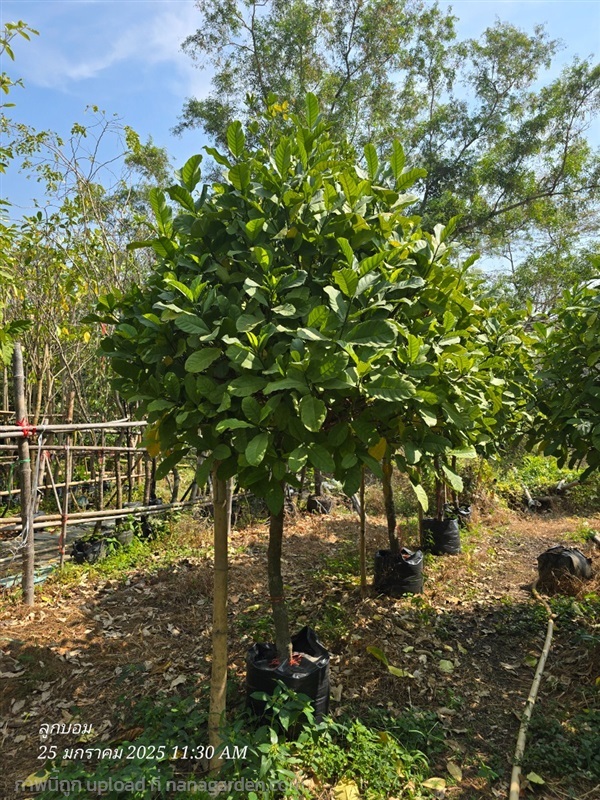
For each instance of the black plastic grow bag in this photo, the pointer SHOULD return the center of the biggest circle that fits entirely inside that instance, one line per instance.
(559, 559)
(307, 673)
(89, 552)
(441, 537)
(400, 573)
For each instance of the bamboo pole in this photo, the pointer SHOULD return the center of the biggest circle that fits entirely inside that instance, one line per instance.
(119, 486)
(59, 485)
(76, 447)
(129, 467)
(25, 477)
(52, 520)
(101, 472)
(5, 392)
(515, 783)
(68, 476)
(12, 431)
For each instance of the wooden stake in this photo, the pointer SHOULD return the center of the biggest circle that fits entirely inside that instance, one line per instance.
(101, 472)
(68, 476)
(25, 476)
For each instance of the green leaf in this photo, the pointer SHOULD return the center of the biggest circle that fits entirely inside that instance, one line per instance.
(312, 110)
(257, 448)
(446, 666)
(414, 346)
(409, 177)
(235, 139)
(399, 673)
(318, 317)
(372, 160)
(189, 174)
(283, 156)
(421, 495)
(254, 228)
(378, 654)
(239, 175)
(391, 388)
(202, 359)
(181, 195)
(232, 425)
(347, 280)
(312, 412)
(297, 459)
(321, 458)
(463, 452)
(374, 333)
(274, 498)
(455, 481)
(346, 249)
(190, 324)
(397, 160)
(246, 385)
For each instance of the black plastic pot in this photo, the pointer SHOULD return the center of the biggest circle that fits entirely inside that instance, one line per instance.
(319, 504)
(307, 673)
(441, 537)
(90, 551)
(564, 560)
(397, 574)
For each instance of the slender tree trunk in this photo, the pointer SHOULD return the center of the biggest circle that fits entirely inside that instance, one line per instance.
(362, 541)
(439, 493)
(388, 500)
(455, 497)
(218, 681)
(276, 592)
(318, 481)
(27, 582)
(5, 390)
(301, 489)
(176, 485)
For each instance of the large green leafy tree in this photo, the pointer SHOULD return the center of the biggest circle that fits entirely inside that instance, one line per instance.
(569, 382)
(502, 148)
(294, 309)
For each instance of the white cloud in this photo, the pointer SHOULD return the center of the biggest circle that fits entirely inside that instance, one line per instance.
(81, 46)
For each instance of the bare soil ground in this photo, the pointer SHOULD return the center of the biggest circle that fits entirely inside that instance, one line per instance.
(86, 645)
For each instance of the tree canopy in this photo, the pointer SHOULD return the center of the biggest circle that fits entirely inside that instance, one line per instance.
(504, 147)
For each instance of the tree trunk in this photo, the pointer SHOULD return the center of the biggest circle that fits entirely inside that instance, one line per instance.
(455, 498)
(218, 680)
(388, 499)
(301, 488)
(439, 490)
(362, 541)
(280, 615)
(27, 582)
(318, 481)
(176, 485)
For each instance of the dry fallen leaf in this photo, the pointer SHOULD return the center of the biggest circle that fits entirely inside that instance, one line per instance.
(454, 770)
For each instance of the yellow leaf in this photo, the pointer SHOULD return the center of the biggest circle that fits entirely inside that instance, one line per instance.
(346, 790)
(86, 337)
(533, 777)
(378, 450)
(32, 780)
(152, 441)
(434, 783)
(65, 331)
(455, 771)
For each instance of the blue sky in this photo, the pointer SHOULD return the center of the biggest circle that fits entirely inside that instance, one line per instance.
(124, 56)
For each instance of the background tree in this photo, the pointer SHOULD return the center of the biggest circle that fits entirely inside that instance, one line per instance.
(569, 393)
(509, 156)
